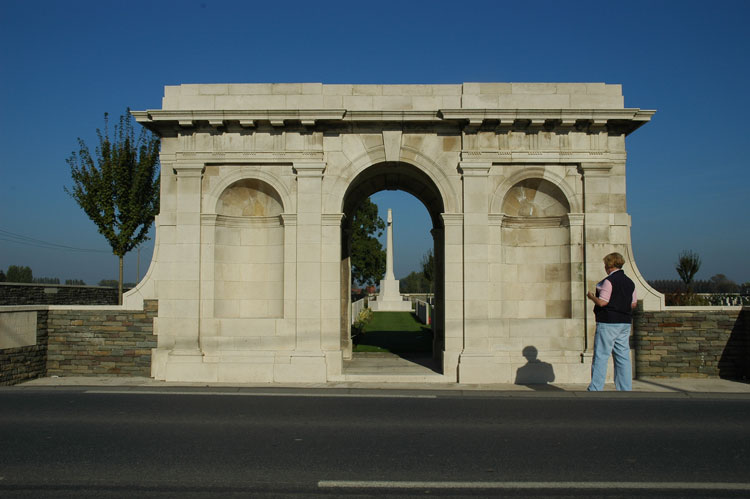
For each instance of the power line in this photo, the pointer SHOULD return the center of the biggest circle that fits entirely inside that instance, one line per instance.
(12, 237)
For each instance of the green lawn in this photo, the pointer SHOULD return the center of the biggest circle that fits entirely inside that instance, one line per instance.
(395, 332)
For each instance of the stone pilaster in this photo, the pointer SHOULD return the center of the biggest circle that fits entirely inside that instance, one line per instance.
(179, 285)
(476, 359)
(596, 235)
(330, 282)
(579, 303)
(307, 362)
(453, 296)
(181, 305)
(309, 254)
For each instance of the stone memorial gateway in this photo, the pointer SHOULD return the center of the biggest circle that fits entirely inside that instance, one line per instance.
(524, 183)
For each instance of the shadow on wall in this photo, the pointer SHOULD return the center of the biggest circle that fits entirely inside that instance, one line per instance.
(535, 374)
(735, 359)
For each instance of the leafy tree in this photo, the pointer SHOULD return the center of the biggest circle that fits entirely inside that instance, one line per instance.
(20, 274)
(688, 264)
(2, 276)
(367, 254)
(428, 269)
(416, 282)
(118, 188)
(75, 282)
(721, 284)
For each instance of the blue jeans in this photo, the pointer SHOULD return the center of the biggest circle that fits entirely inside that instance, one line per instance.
(611, 339)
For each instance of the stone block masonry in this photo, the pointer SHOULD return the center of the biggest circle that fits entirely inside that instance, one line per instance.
(27, 362)
(693, 343)
(101, 342)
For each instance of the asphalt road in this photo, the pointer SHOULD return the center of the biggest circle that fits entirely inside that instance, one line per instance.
(95, 443)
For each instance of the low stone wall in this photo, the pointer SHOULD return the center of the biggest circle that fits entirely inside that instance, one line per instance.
(75, 342)
(21, 363)
(698, 342)
(12, 293)
(101, 342)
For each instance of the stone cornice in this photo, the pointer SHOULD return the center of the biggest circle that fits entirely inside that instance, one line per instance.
(589, 120)
(157, 119)
(592, 120)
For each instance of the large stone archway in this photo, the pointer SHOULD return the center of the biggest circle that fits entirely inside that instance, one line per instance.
(411, 179)
(525, 185)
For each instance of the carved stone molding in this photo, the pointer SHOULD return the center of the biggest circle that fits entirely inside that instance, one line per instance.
(289, 219)
(452, 218)
(309, 168)
(249, 157)
(187, 170)
(532, 222)
(595, 169)
(331, 219)
(573, 219)
(474, 168)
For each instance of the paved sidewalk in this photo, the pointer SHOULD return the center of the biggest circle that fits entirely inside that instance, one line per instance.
(644, 386)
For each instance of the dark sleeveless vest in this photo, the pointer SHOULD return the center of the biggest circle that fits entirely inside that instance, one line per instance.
(618, 310)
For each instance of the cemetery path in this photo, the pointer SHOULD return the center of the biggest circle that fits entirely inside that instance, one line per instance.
(395, 332)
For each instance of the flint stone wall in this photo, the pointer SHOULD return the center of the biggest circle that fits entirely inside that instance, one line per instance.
(693, 343)
(55, 294)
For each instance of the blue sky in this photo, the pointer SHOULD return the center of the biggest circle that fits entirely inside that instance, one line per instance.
(64, 63)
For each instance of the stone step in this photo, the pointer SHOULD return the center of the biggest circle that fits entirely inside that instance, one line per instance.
(379, 367)
(395, 378)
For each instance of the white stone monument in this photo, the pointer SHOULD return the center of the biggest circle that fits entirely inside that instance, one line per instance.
(251, 265)
(389, 298)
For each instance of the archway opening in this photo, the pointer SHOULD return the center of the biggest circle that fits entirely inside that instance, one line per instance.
(414, 192)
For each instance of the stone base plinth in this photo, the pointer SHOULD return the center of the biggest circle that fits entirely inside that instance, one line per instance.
(240, 367)
(389, 298)
(390, 306)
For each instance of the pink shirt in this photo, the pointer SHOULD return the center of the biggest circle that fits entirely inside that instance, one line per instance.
(605, 289)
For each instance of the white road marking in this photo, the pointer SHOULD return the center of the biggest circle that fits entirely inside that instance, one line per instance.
(534, 485)
(259, 394)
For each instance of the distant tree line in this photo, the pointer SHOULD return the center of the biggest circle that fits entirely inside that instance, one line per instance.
(114, 283)
(716, 284)
(24, 274)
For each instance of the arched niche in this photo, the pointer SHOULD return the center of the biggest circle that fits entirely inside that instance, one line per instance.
(536, 251)
(249, 198)
(535, 197)
(249, 252)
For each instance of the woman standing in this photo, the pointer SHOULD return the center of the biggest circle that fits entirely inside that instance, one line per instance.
(614, 301)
